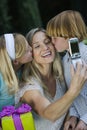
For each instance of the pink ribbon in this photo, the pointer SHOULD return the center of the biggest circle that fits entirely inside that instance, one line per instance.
(10, 110)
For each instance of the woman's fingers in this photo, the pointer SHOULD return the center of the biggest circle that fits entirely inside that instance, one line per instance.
(81, 69)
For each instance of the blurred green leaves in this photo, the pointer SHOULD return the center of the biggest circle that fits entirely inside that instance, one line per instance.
(19, 15)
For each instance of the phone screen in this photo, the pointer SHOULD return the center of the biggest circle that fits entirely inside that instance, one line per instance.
(74, 47)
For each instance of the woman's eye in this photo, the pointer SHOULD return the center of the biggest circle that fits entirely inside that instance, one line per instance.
(37, 46)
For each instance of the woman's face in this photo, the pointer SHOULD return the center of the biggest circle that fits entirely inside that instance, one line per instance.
(60, 43)
(43, 50)
(27, 56)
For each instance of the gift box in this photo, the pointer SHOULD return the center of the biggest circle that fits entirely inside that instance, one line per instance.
(17, 119)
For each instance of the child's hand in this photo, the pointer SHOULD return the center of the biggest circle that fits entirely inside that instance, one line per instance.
(71, 123)
(81, 126)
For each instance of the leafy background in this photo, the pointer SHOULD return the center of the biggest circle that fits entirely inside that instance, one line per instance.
(23, 15)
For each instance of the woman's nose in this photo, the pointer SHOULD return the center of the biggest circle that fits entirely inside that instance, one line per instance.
(45, 46)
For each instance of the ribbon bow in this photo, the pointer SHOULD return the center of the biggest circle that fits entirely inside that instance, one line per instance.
(10, 110)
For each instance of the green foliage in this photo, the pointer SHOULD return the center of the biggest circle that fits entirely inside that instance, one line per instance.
(4, 17)
(85, 41)
(19, 15)
(29, 16)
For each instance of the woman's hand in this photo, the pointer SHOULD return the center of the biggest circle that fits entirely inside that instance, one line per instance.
(79, 76)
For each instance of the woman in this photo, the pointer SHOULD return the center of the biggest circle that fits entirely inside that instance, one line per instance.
(14, 52)
(69, 24)
(45, 87)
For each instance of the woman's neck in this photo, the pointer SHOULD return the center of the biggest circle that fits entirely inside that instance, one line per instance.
(46, 70)
(50, 83)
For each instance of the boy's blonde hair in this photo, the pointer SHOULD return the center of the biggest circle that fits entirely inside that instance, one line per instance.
(67, 24)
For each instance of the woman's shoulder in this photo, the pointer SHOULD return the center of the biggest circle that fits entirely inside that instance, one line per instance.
(32, 85)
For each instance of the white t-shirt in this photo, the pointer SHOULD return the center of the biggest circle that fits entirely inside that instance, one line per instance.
(41, 123)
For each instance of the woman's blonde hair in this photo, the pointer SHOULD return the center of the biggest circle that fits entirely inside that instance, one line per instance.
(33, 69)
(67, 24)
(6, 66)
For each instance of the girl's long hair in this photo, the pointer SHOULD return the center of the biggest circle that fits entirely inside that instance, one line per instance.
(6, 64)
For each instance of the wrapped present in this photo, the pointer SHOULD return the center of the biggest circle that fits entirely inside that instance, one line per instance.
(17, 119)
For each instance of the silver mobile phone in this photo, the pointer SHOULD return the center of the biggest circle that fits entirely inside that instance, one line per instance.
(74, 51)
